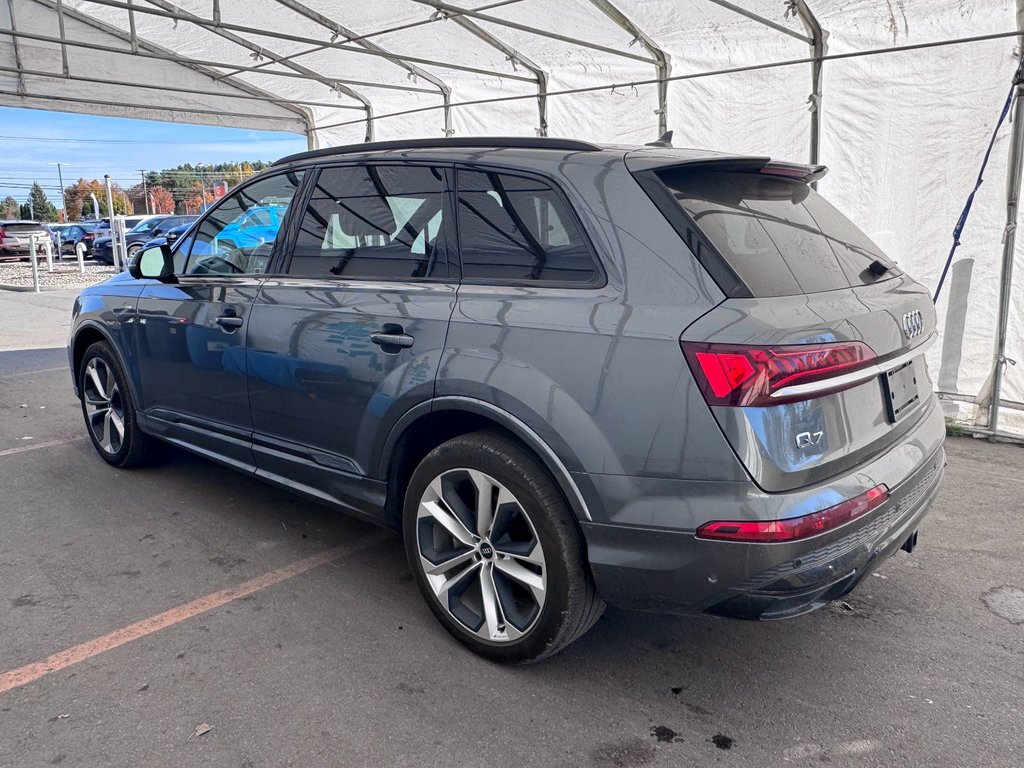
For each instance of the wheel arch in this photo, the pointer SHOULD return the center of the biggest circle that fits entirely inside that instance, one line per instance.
(87, 334)
(427, 425)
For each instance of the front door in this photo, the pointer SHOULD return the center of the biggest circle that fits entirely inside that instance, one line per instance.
(191, 335)
(349, 338)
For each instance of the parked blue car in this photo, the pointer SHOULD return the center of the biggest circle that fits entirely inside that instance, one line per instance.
(257, 226)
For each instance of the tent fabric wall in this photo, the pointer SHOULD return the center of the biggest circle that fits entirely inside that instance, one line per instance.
(903, 133)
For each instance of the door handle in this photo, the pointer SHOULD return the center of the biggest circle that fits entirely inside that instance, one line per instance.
(229, 322)
(383, 339)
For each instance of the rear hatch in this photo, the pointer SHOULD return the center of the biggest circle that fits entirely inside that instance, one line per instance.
(19, 234)
(814, 363)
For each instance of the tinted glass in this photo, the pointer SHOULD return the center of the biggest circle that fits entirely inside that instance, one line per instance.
(146, 225)
(224, 242)
(379, 222)
(780, 236)
(514, 228)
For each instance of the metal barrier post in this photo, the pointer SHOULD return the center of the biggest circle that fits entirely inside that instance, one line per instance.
(48, 247)
(80, 253)
(33, 244)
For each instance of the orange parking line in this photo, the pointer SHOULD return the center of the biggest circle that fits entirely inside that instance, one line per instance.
(79, 653)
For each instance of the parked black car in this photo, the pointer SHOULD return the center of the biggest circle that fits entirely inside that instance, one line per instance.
(170, 237)
(84, 232)
(136, 238)
(567, 373)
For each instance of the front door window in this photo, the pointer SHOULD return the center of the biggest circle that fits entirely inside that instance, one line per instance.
(237, 237)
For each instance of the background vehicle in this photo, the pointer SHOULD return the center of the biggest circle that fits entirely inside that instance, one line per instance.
(83, 232)
(674, 380)
(170, 236)
(57, 235)
(137, 236)
(14, 238)
(259, 225)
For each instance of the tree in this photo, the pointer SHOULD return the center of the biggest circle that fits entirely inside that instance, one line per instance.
(43, 208)
(163, 201)
(79, 202)
(9, 208)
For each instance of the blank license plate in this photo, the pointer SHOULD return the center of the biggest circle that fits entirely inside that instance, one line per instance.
(899, 386)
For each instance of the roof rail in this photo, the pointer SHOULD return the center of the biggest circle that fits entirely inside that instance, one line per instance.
(497, 142)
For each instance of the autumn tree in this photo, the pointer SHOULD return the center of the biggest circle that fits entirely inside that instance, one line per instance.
(163, 201)
(79, 202)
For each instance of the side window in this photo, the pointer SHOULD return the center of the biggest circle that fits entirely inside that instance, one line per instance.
(224, 245)
(373, 221)
(519, 229)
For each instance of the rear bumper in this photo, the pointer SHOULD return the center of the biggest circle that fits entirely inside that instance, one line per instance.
(673, 571)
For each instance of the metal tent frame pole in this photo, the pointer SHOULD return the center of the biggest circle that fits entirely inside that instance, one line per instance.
(663, 62)
(338, 30)
(224, 26)
(1014, 172)
(259, 50)
(515, 57)
(303, 114)
(819, 48)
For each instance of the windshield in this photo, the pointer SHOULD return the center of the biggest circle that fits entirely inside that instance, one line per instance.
(780, 236)
(145, 225)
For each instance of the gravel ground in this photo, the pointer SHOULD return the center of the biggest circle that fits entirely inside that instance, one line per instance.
(64, 275)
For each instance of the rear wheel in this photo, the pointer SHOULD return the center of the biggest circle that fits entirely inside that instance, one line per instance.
(109, 410)
(496, 551)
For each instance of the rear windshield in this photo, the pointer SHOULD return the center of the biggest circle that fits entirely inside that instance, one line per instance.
(30, 227)
(780, 236)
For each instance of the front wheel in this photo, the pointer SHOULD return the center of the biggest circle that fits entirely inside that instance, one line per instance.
(496, 551)
(109, 410)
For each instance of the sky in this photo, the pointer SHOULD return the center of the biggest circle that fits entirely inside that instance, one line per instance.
(91, 146)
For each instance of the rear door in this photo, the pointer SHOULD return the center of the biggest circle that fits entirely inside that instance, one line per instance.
(349, 337)
(817, 363)
(190, 339)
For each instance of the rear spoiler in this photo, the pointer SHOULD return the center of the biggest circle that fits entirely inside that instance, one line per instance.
(654, 160)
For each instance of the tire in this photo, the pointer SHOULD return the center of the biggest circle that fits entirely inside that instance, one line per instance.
(132, 250)
(109, 410)
(516, 590)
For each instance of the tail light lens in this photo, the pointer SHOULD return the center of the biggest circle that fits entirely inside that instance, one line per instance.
(3, 234)
(739, 375)
(797, 527)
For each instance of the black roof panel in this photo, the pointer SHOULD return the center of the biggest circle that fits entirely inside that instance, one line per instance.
(469, 142)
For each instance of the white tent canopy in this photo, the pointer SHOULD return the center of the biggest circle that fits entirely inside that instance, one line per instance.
(903, 131)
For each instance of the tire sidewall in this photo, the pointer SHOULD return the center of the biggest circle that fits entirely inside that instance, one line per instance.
(548, 513)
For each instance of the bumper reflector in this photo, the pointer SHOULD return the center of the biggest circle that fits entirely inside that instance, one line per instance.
(794, 528)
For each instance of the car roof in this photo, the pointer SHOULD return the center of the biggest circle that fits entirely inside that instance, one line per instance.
(523, 151)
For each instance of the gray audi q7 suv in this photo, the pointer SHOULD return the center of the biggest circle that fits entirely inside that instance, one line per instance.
(667, 379)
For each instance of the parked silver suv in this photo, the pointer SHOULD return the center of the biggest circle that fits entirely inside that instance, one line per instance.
(668, 379)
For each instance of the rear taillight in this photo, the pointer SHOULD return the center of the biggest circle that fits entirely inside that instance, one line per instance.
(3, 234)
(739, 375)
(797, 527)
(88, 236)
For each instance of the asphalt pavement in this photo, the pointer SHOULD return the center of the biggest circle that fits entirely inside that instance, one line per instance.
(186, 615)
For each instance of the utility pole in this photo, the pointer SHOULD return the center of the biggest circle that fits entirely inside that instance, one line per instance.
(202, 180)
(145, 191)
(63, 199)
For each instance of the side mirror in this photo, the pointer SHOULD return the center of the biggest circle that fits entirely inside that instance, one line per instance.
(156, 263)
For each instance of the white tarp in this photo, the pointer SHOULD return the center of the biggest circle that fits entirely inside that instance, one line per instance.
(903, 133)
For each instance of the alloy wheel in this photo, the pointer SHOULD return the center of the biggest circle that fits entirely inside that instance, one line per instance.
(481, 555)
(104, 406)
